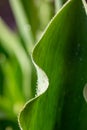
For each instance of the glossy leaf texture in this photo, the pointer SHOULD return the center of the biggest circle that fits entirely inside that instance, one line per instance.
(60, 58)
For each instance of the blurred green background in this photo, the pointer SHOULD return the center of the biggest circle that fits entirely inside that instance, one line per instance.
(21, 25)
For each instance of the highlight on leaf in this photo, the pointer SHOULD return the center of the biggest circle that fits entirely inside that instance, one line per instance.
(85, 92)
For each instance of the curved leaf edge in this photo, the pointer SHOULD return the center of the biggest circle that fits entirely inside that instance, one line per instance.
(40, 90)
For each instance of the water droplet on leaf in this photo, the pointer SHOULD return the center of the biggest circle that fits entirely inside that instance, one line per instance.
(85, 92)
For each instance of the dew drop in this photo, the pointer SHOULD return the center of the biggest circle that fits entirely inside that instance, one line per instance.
(27, 28)
(8, 128)
(85, 92)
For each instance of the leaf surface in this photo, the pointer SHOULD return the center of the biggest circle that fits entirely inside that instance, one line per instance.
(60, 58)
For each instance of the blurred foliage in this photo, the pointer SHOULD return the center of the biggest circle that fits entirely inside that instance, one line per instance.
(17, 74)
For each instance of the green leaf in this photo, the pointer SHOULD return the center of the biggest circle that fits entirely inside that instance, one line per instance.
(61, 54)
(22, 14)
(31, 10)
(15, 74)
(22, 24)
(59, 4)
(12, 46)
